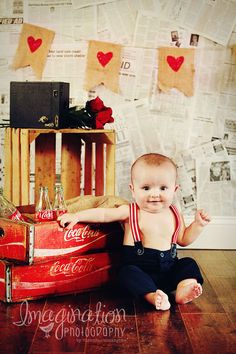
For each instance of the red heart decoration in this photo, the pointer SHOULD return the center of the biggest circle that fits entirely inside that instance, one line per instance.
(34, 44)
(104, 58)
(175, 63)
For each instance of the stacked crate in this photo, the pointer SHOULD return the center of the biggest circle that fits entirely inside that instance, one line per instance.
(43, 259)
(87, 162)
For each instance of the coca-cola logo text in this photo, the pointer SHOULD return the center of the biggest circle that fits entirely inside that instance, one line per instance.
(80, 234)
(16, 216)
(81, 265)
(44, 215)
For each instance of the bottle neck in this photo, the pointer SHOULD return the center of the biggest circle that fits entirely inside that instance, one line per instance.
(44, 201)
(59, 202)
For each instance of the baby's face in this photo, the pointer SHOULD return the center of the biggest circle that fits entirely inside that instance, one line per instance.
(153, 187)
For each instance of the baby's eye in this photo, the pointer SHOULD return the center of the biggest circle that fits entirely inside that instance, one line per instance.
(164, 188)
(146, 188)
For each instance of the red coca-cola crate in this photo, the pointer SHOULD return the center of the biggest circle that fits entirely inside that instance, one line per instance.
(30, 242)
(62, 276)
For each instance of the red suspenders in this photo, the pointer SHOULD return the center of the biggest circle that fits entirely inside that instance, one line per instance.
(175, 234)
(133, 209)
(133, 216)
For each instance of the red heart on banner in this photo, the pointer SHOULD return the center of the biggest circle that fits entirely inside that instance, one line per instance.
(34, 44)
(104, 58)
(175, 63)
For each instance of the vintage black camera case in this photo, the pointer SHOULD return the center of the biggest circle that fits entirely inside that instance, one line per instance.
(38, 105)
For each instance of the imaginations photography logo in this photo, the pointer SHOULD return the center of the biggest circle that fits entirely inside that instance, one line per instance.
(98, 324)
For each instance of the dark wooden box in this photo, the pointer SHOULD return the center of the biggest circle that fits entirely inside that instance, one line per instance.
(38, 104)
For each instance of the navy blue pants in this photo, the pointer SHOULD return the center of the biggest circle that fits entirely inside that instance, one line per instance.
(142, 274)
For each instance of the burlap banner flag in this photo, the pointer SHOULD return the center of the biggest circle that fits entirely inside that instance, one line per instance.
(33, 48)
(103, 65)
(176, 69)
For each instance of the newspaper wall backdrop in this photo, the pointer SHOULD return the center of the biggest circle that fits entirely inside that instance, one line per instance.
(192, 130)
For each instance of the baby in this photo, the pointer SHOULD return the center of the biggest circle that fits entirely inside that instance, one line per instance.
(153, 227)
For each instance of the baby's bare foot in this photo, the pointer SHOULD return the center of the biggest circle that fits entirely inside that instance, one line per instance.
(188, 292)
(161, 301)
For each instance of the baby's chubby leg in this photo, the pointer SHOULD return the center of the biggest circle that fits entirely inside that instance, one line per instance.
(187, 290)
(159, 299)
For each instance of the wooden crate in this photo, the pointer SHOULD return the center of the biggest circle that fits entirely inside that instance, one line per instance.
(72, 274)
(96, 164)
(31, 243)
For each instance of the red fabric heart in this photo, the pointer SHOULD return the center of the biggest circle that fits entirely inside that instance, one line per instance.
(104, 58)
(34, 44)
(175, 63)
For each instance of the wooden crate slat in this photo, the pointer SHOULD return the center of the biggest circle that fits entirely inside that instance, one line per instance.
(8, 163)
(93, 135)
(110, 169)
(98, 137)
(33, 134)
(99, 169)
(45, 164)
(88, 169)
(16, 163)
(71, 165)
(25, 167)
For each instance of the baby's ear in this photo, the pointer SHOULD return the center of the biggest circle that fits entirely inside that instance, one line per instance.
(131, 187)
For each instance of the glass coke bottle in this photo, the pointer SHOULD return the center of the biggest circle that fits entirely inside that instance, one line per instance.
(43, 208)
(59, 205)
(8, 209)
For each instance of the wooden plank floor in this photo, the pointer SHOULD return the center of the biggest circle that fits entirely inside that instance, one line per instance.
(104, 322)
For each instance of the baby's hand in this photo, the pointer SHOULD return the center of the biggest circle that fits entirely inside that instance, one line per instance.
(68, 220)
(202, 218)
